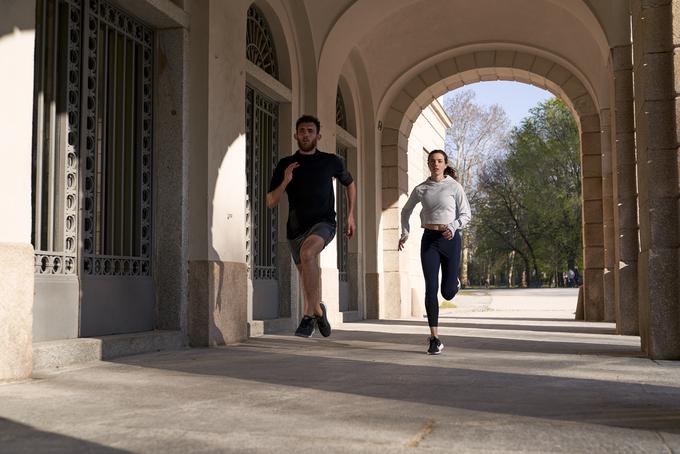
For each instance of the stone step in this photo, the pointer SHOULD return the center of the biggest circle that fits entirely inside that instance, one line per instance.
(60, 353)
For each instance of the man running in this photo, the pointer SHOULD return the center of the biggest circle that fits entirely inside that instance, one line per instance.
(307, 178)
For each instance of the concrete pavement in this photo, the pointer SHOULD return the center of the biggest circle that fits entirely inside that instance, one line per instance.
(507, 381)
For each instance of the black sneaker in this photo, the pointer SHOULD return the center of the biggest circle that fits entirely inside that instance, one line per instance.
(306, 328)
(322, 322)
(436, 346)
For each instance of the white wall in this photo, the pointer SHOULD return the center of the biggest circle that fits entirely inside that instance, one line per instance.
(17, 36)
(16, 119)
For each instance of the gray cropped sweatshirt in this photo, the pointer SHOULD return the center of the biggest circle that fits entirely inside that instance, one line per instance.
(444, 202)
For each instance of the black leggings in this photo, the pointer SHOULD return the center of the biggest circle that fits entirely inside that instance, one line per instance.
(436, 251)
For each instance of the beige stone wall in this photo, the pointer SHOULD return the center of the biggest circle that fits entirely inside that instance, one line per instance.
(16, 314)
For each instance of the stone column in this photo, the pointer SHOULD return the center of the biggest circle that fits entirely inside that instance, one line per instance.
(171, 116)
(17, 44)
(217, 304)
(593, 236)
(607, 217)
(655, 40)
(394, 184)
(625, 195)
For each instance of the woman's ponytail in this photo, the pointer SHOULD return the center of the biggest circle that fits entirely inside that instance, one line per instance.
(450, 171)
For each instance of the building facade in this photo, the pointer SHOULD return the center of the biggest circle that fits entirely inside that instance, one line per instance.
(138, 139)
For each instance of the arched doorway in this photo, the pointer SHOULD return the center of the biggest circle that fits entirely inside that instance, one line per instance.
(468, 67)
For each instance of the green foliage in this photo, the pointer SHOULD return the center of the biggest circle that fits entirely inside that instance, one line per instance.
(529, 200)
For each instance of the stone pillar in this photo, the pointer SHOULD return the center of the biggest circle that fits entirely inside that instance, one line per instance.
(218, 275)
(593, 235)
(171, 180)
(17, 44)
(607, 217)
(372, 234)
(625, 195)
(394, 185)
(655, 40)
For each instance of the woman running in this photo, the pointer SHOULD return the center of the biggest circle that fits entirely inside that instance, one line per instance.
(444, 213)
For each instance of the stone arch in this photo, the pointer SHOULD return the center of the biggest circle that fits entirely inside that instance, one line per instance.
(412, 95)
(363, 17)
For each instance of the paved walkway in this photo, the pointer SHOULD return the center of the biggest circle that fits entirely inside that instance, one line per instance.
(516, 375)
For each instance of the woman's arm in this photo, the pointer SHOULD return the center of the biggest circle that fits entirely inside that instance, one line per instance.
(412, 201)
(463, 212)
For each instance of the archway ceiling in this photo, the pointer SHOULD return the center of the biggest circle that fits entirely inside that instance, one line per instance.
(395, 36)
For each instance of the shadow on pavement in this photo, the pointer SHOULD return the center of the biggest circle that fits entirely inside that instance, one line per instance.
(18, 438)
(444, 321)
(499, 344)
(416, 344)
(527, 319)
(373, 372)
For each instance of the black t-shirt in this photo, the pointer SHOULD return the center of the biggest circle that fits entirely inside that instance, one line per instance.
(310, 192)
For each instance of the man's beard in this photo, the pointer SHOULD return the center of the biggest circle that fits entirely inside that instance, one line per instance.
(309, 147)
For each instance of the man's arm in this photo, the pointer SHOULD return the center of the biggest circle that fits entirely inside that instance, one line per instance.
(351, 198)
(274, 197)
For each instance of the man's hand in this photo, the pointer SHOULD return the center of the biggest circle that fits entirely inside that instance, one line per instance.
(401, 244)
(448, 234)
(350, 226)
(274, 196)
(288, 173)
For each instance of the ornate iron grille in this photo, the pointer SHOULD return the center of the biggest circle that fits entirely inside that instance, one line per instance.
(342, 219)
(56, 116)
(341, 191)
(340, 113)
(260, 44)
(92, 125)
(117, 143)
(261, 155)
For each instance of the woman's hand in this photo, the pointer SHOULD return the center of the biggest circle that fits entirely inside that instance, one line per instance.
(448, 234)
(401, 244)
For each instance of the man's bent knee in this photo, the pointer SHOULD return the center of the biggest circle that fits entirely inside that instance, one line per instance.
(308, 255)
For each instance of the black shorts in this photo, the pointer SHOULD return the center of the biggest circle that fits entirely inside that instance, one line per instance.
(325, 230)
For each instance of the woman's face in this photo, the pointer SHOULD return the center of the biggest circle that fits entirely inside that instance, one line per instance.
(437, 163)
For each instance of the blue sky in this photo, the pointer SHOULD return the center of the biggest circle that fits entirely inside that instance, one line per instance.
(515, 97)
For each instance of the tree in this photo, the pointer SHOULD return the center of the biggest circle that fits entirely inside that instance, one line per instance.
(477, 134)
(529, 200)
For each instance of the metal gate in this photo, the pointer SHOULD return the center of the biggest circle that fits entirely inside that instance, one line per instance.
(92, 161)
(262, 118)
(342, 240)
(341, 193)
